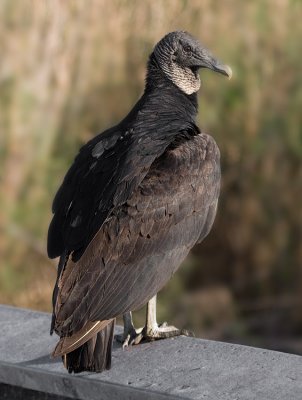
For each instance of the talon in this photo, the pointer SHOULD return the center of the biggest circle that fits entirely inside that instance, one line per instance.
(185, 332)
(138, 338)
(126, 342)
(131, 336)
(151, 331)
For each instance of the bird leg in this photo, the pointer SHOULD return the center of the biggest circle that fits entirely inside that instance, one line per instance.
(151, 331)
(130, 335)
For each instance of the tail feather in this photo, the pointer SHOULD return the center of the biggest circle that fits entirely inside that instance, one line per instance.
(67, 344)
(61, 266)
(92, 355)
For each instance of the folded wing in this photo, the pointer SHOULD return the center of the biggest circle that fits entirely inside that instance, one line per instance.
(142, 243)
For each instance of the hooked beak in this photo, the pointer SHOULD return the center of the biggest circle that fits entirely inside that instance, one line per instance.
(206, 60)
(222, 69)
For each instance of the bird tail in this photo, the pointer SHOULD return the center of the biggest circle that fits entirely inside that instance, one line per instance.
(93, 354)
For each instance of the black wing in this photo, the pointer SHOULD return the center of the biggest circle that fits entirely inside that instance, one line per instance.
(102, 177)
(139, 248)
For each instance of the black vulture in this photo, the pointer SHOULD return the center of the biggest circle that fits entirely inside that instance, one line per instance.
(134, 202)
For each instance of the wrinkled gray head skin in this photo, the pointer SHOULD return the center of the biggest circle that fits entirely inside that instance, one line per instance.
(180, 56)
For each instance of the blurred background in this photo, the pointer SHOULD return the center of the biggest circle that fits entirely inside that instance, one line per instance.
(71, 69)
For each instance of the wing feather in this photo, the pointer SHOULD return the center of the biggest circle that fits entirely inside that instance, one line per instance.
(107, 171)
(69, 343)
(140, 246)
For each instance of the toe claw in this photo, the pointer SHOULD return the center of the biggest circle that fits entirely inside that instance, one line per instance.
(185, 332)
(126, 342)
(135, 336)
(137, 339)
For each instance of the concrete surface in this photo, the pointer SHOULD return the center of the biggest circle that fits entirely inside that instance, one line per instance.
(180, 368)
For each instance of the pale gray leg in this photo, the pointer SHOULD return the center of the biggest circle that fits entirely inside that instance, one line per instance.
(151, 325)
(151, 330)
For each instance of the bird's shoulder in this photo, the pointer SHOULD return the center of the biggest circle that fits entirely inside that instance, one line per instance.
(184, 179)
(87, 190)
(92, 158)
(201, 144)
(188, 156)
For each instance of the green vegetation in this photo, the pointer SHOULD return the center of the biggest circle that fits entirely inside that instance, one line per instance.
(70, 69)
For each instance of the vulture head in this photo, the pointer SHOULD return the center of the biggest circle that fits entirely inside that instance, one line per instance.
(180, 56)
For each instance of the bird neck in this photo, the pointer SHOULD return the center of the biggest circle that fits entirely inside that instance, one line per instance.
(168, 93)
(162, 113)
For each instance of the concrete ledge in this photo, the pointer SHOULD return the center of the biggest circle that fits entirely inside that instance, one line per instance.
(180, 368)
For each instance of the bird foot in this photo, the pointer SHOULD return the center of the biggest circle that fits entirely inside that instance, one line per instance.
(162, 331)
(131, 337)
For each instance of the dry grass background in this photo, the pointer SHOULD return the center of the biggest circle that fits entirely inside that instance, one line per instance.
(69, 69)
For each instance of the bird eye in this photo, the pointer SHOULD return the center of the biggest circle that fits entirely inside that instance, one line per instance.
(187, 48)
